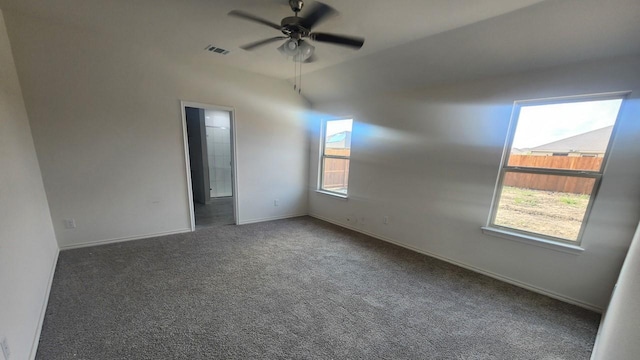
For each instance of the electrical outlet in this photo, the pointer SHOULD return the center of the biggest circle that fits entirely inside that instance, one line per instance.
(385, 220)
(276, 202)
(4, 344)
(69, 223)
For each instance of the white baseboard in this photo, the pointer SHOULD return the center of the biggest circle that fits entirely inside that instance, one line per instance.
(271, 218)
(511, 281)
(128, 238)
(43, 310)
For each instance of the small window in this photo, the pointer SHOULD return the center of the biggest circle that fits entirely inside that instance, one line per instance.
(336, 152)
(549, 197)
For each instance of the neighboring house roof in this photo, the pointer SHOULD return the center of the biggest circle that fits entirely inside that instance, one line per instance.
(518, 151)
(594, 141)
(337, 137)
(340, 140)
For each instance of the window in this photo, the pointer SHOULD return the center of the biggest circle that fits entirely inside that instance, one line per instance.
(336, 151)
(552, 166)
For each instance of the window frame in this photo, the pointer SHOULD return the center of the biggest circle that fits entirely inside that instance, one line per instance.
(323, 156)
(499, 230)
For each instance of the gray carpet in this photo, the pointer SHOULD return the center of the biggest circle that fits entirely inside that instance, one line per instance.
(297, 288)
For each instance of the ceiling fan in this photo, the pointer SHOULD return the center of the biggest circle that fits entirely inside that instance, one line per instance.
(296, 29)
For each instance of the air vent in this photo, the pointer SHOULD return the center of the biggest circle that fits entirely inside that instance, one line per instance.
(218, 50)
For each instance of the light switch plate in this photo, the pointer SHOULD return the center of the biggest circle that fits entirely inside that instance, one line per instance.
(69, 223)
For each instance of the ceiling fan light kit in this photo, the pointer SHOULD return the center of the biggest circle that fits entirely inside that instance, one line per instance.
(298, 50)
(305, 51)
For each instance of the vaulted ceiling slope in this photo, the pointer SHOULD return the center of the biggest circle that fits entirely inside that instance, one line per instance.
(409, 43)
(543, 35)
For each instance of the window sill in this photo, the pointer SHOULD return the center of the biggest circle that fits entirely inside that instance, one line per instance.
(335, 195)
(532, 240)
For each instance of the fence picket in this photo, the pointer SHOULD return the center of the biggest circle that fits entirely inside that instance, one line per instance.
(553, 182)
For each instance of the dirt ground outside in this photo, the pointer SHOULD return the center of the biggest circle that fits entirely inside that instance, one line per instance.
(556, 214)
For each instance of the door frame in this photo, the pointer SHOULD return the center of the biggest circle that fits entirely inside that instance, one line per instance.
(234, 158)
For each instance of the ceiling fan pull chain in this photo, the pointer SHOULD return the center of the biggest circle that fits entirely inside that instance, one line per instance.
(299, 77)
(300, 81)
(300, 84)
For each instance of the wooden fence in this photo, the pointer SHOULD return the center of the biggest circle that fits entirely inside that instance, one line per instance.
(336, 171)
(553, 182)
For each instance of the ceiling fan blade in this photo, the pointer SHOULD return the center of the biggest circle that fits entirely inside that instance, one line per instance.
(350, 41)
(316, 14)
(250, 17)
(255, 44)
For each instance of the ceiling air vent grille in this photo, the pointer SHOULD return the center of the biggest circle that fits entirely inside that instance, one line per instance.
(217, 50)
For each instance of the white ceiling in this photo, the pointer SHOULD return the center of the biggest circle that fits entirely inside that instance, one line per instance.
(548, 34)
(409, 43)
(188, 26)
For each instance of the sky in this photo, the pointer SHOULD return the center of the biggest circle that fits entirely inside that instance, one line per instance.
(542, 124)
(334, 127)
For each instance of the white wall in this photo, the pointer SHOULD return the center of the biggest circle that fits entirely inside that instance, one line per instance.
(618, 336)
(28, 248)
(429, 160)
(106, 123)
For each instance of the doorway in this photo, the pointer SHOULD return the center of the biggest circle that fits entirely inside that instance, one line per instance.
(210, 153)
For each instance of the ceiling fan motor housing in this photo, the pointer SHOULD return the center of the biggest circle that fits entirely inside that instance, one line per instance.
(291, 27)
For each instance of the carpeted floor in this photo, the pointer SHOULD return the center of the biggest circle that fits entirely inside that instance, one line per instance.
(296, 289)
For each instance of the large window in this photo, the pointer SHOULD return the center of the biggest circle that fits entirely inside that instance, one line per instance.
(552, 166)
(336, 151)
